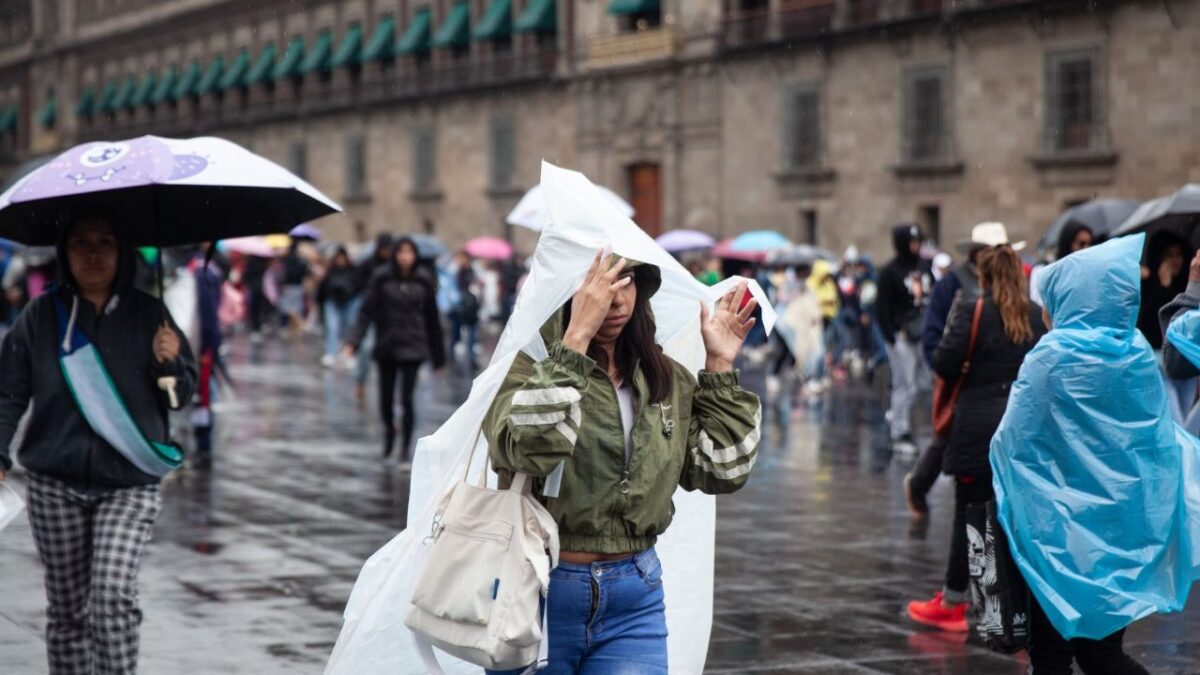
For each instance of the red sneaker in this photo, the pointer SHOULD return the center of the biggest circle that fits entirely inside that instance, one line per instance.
(932, 613)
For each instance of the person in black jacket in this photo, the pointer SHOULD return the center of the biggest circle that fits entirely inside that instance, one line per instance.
(1164, 277)
(904, 285)
(1010, 325)
(380, 258)
(402, 306)
(91, 509)
(337, 295)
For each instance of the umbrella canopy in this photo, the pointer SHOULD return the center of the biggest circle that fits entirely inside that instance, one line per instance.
(800, 254)
(531, 211)
(759, 241)
(676, 241)
(255, 246)
(490, 248)
(428, 246)
(161, 192)
(1101, 216)
(724, 249)
(305, 231)
(1178, 213)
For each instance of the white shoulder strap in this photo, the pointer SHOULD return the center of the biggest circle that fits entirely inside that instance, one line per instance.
(427, 656)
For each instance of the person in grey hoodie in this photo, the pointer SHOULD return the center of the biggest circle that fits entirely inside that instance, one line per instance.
(90, 508)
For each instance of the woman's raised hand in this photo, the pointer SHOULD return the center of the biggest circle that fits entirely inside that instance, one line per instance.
(592, 301)
(726, 329)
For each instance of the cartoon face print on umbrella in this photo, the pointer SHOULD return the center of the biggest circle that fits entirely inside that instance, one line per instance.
(187, 166)
(101, 166)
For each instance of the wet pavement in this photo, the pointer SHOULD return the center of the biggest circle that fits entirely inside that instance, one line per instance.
(254, 559)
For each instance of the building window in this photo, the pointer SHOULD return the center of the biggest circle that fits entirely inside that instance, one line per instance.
(808, 219)
(1074, 101)
(356, 166)
(801, 127)
(929, 217)
(424, 160)
(926, 133)
(503, 156)
(298, 159)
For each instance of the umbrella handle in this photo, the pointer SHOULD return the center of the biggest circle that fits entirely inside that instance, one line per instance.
(167, 384)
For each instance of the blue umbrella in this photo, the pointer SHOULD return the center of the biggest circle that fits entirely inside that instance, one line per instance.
(429, 246)
(759, 240)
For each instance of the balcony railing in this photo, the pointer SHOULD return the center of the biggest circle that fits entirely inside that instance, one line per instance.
(606, 51)
(399, 83)
(796, 19)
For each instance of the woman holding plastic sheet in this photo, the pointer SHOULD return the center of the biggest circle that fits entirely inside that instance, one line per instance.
(1009, 326)
(629, 425)
(93, 492)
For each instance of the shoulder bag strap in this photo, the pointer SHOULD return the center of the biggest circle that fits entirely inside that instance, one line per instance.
(966, 367)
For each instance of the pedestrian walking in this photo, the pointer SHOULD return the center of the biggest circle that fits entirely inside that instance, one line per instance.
(338, 298)
(380, 258)
(629, 425)
(1090, 470)
(91, 507)
(904, 285)
(291, 298)
(209, 279)
(464, 313)
(961, 282)
(401, 304)
(985, 341)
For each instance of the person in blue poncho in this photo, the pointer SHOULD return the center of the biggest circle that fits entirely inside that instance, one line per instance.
(1095, 484)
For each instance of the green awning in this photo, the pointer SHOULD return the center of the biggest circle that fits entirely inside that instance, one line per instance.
(632, 6)
(236, 72)
(349, 52)
(187, 82)
(48, 115)
(289, 65)
(8, 120)
(264, 67)
(540, 16)
(124, 94)
(87, 103)
(106, 97)
(382, 46)
(455, 31)
(212, 77)
(142, 94)
(165, 91)
(496, 23)
(319, 57)
(416, 38)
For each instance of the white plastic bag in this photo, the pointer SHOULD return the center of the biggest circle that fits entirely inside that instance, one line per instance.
(374, 638)
(11, 505)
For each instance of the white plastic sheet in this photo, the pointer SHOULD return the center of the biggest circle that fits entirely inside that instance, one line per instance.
(374, 638)
(11, 505)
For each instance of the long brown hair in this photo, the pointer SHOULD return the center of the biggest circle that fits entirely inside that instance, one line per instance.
(1001, 273)
(636, 343)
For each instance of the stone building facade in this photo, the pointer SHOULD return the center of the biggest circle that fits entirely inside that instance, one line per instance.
(828, 120)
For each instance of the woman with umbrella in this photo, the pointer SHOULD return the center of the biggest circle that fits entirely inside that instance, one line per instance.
(93, 492)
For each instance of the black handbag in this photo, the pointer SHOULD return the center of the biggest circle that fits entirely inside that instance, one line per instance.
(999, 595)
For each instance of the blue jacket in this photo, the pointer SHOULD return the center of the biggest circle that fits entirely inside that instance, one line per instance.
(940, 302)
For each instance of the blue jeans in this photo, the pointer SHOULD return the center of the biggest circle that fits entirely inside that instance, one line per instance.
(607, 618)
(338, 319)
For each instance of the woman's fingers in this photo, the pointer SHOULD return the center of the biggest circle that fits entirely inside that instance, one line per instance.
(619, 284)
(615, 270)
(746, 311)
(595, 268)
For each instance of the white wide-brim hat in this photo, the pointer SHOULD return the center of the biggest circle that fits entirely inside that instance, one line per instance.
(989, 235)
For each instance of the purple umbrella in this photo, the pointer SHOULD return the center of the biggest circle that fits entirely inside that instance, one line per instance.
(676, 241)
(160, 192)
(305, 231)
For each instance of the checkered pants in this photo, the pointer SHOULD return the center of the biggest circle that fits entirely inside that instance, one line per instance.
(91, 545)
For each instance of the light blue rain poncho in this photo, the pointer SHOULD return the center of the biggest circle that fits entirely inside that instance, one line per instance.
(1097, 488)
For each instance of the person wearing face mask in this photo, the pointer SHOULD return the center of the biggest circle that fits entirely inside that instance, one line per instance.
(91, 459)
(628, 425)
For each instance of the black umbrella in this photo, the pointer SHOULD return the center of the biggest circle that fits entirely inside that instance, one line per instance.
(1178, 213)
(160, 192)
(1101, 216)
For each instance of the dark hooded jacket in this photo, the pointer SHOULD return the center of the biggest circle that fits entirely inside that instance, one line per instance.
(703, 436)
(1155, 296)
(899, 308)
(403, 309)
(1066, 237)
(58, 441)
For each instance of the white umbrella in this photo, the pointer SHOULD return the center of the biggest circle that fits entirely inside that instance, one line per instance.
(531, 212)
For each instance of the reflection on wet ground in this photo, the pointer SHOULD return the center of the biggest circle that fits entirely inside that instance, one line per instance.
(254, 558)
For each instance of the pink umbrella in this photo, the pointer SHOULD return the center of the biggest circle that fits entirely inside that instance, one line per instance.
(489, 247)
(255, 246)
